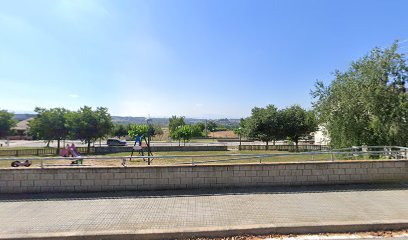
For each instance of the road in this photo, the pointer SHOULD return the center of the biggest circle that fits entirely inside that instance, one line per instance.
(198, 210)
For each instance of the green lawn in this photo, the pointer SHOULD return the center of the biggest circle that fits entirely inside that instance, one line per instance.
(196, 157)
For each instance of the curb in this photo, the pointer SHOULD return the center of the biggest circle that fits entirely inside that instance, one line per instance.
(214, 232)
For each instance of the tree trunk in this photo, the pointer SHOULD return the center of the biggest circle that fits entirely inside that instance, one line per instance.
(58, 146)
(267, 145)
(274, 142)
(179, 142)
(296, 142)
(89, 146)
(184, 142)
(48, 143)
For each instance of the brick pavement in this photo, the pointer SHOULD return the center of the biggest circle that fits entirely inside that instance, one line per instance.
(157, 211)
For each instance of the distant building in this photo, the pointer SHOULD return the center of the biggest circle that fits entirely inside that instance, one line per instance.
(321, 136)
(21, 130)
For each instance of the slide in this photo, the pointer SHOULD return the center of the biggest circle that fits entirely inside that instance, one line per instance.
(75, 153)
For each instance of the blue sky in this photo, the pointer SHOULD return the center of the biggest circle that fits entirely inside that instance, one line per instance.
(197, 58)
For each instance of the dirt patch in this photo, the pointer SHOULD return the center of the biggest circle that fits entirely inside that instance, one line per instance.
(222, 134)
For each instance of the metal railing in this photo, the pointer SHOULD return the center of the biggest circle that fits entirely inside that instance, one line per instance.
(354, 153)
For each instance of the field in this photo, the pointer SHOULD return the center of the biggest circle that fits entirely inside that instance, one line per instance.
(207, 157)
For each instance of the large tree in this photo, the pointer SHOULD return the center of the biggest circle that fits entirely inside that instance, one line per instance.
(367, 104)
(88, 125)
(297, 122)
(6, 123)
(263, 124)
(49, 124)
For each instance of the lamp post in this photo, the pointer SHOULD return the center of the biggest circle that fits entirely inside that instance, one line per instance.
(149, 132)
(239, 133)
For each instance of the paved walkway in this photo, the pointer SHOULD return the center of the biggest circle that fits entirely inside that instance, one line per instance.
(69, 214)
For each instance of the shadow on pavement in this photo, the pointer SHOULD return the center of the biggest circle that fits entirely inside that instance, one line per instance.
(200, 192)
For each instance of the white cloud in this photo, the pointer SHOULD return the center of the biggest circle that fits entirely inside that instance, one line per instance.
(199, 104)
(73, 95)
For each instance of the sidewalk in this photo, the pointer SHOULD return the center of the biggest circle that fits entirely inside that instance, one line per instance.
(169, 214)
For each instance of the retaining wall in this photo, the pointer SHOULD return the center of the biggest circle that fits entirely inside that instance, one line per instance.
(25, 180)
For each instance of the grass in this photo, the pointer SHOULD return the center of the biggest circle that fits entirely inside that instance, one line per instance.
(21, 148)
(198, 157)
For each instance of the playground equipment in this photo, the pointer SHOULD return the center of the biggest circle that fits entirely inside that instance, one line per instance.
(71, 151)
(26, 163)
(140, 147)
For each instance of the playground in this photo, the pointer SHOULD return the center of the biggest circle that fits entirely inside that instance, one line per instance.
(141, 155)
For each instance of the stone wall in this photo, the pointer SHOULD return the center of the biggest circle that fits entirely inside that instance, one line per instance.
(25, 180)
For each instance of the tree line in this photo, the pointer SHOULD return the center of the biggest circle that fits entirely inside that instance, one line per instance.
(367, 104)
(271, 124)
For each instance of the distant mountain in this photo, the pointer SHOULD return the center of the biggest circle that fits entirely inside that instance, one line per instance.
(141, 120)
(165, 121)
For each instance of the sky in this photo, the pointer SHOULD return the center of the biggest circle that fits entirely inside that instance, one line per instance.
(195, 58)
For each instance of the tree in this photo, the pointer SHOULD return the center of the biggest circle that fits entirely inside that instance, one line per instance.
(174, 123)
(297, 123)
(197, 129)
(367, 104)
(119, 130)
(211, 126)
(6, 123)
(158, 131)
(49, 124)
(264, 124)
(138, 130)
(88, 125)
(184, 132)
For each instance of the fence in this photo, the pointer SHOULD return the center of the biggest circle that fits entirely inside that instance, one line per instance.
(289, 148)
(105, 150)
(359, 153)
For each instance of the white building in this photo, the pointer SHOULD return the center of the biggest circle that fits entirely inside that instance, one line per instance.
(321, 136)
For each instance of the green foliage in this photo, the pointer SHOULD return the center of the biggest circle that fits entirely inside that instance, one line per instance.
(297, 122)
(157, 130)
(264, 124)
(120, 130)
(143, 129)
(198, 130)
(211, 126)
(138, 130)
(6, 123)
(89, 125)
(368, 103)
(270, 124)
(174, 123)
(49, 124)
(184, 132)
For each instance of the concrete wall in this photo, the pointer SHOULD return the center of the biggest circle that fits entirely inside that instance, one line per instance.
(24, 180)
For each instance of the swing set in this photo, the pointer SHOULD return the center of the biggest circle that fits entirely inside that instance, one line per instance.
(142, 145)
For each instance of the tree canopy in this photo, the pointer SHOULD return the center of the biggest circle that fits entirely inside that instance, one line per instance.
(49, 124)
(119, 130)
(89, 125)
(174, 123)
(297, 122)
(271, 124)
(264, 124)
(367, 104)
(6, 123)
(184, 132)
